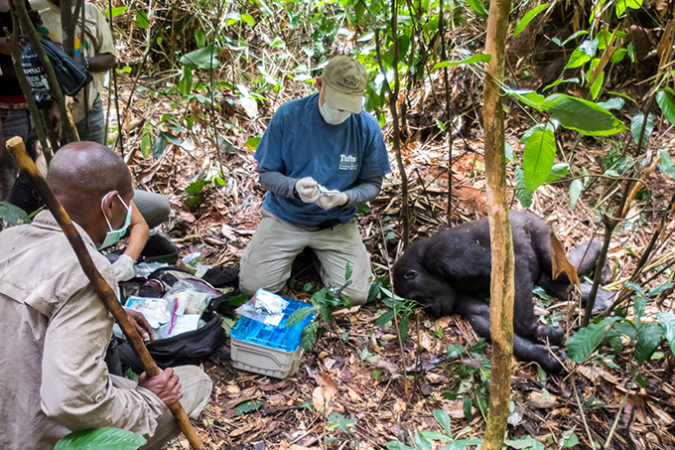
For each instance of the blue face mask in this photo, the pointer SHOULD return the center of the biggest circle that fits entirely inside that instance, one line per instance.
(113, 236)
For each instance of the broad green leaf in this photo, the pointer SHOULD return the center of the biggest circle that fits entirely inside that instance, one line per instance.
(384, 319)
(527, 18)
(454, 351)
(159, 146)
(116, 11)
(101, 439)
(530, 98)
(667, 104)
(204, 58)
(171, 138)
(363, 208)
(403, 328)
(524, 195)
(636, 127)
(13, 215)
(461, 444)
(478, 57)
(435, 436)
(618, 56)
(639, 304)
(196, 187)
(478, 7)
(397, 445)
(508, 152)
(574, 36)
(569, 439)
(557, 82)
(656, 290)
(245, 407)
(612, 103)
(443, 419)
(597, 85)
(621, 6)
(583, 116)
(420, 442)
(621, 94)
(146, 141)
(582, 54)
(538, 158)
(185, 83)
(649, 338)
(248, 19)
(252, 142)
(348, 271)
(308, 336)
(526, 442)
(636, 288)
(558, 171)
(299, 315)
(326, 315)
(667, 322)
(200, 37)
(142, 19)
(575, 191)
(667, 166)
(583, 343)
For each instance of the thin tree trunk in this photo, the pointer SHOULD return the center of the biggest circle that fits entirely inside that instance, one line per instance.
(448, 114)
(501, 244)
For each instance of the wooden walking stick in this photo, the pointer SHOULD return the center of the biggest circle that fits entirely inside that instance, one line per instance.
(17, 148)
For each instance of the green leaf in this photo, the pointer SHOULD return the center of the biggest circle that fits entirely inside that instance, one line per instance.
(667, 322)
(574, 36)
(583, 53)
(530, 98)
(508, 153)
(636, 128)
(420, 442)
(583, 116)
(397, 445)
(455, 351)
(185, 83)
(326, 315)
(478, 7)
(649, 338)
(308, 336)
(299, 315)
(526, 442)
(116, 11)
(363, 208)
(142, 19)
(583, 343)
(557, 82)
(621, 6)
(159, 146)
(524, 195)
(101, 439)
(569, 439)
(13, 215)
(558, 171)
(200, 37)
(667, 166)
(245, 407)
(204, 58)
(348, 271)
(575, 191)
(403, 328)
(171, 138)
(196, 188)
(597, 85)
(612, 103)
(618, 56)
(667, 104)
(384, 319)
(478, 57)
(248, 19)
(252, 143)
(527, 18)
(538, 158)
(443, 419)
(434, 436)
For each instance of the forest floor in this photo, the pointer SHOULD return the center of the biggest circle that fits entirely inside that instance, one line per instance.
(382, 390)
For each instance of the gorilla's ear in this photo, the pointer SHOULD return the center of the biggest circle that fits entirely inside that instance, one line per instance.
(410, 274)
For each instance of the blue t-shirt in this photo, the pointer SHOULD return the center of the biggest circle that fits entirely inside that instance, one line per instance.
(298, 143)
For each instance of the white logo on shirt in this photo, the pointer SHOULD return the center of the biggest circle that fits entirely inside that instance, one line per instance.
(348, 162)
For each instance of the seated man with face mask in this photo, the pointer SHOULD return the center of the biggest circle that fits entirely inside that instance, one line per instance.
(55, 329)
(319, 158)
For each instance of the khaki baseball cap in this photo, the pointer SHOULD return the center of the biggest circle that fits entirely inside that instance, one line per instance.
(345, 80)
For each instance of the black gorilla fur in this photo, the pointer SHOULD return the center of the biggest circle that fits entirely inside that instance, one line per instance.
(450, 273)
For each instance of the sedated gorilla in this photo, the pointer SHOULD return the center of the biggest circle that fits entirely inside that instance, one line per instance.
(450, 273)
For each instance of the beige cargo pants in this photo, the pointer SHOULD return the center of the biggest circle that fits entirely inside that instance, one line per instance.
(196, 387)
(268, 259)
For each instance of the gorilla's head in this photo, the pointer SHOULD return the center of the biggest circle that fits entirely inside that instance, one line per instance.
(413, 280)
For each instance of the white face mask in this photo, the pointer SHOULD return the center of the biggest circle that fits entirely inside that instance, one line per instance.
(333, 116)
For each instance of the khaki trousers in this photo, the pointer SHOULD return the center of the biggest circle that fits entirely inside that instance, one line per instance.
(196, 387)
(268, 259)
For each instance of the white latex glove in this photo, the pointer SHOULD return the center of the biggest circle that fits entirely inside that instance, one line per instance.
(308, 190)
(331, 199)
(124, 268)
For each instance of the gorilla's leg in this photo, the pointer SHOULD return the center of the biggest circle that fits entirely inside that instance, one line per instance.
(477, 312)
(525, 322)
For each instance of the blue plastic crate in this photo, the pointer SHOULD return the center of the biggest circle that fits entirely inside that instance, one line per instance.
(279, 337)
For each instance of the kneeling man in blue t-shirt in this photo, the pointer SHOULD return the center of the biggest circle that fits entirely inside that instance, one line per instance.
(320, 157)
